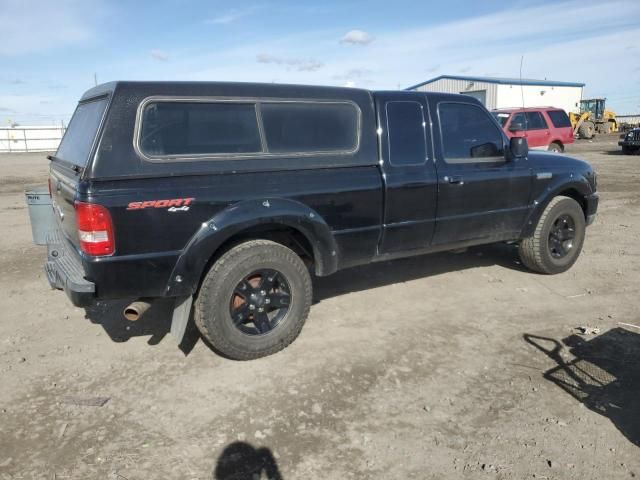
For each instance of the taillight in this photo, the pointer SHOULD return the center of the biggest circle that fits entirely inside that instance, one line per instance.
(95, 229)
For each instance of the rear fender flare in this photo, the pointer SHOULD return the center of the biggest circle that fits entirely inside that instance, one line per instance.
(240, 217)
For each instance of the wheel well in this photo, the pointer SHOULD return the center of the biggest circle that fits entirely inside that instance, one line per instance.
(558, 142)
(282, 234)
(573, 193)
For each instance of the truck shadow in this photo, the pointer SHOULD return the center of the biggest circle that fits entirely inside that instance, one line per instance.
(156, 322)
(381, 274)
(603, 374)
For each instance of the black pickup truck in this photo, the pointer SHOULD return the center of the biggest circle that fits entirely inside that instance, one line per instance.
(630, 142)
(227, 197)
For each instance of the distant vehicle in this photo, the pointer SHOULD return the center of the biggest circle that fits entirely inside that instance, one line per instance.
(593, 118)
(546, 128)
(227, 197)
(630, 142)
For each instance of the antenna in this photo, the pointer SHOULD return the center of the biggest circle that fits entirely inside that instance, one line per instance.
(524, 113)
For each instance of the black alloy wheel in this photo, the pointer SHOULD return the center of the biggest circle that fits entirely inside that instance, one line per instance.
(562, 236)
(254, 299)
(260, 302)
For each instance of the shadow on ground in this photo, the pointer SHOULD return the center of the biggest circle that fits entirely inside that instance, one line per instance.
(156, 322)
(241, 461)
(604, 374)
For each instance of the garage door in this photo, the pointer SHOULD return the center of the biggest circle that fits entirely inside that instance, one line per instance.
(479, 94)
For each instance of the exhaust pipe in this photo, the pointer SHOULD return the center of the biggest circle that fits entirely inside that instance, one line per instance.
(135, 310)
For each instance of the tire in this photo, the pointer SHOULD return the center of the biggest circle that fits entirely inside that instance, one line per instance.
(606, 128)
(586, 130)
(555, 147)
(550, 250)
(239, 276)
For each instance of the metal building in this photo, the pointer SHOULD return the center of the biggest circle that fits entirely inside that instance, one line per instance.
(496, 92)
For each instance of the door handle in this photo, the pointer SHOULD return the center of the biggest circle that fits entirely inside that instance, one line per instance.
(455, 179)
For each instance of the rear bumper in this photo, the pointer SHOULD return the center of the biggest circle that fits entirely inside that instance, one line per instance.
(592, 207)
(65, 272)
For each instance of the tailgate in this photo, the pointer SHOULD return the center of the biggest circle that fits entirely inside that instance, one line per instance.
(64, 186)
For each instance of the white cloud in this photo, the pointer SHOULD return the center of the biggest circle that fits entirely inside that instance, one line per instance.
(40, 25)
(301, 65)
(159, 55)
(231, 16)
(357, 37)
(481, 45)
(33, 109)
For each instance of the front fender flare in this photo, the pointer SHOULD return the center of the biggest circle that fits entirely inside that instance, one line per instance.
(558, 186)
(240, 217)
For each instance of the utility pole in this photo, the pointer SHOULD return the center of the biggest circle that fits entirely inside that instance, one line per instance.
(95, 79)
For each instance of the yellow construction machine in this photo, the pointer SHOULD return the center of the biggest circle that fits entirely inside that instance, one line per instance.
(593, 118)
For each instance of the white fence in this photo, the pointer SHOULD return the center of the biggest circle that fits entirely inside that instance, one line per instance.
(30, 139)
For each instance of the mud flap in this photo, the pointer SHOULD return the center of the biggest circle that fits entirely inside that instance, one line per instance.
(180, 318)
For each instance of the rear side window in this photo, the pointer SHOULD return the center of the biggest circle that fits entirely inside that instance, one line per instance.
(535, 121)
(469, 135)
(195, 128)
(559, 118)
(406, 125)
(76, 144)
(309, 127)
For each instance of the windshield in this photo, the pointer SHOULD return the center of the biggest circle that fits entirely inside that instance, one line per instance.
(501, 117)
(76, 144)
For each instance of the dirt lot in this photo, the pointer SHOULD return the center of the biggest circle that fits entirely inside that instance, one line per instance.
(438, 367)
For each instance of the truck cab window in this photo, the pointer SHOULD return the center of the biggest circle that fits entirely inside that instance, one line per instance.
(406, 125)
(469, 135)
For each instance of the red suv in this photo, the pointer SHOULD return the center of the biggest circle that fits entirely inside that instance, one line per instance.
(546, 128)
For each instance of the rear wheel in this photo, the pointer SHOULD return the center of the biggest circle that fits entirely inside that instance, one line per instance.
(254, 300)
(557, 240)
(555, 147)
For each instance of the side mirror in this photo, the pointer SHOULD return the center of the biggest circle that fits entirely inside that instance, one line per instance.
(516, 127)
(519, 147)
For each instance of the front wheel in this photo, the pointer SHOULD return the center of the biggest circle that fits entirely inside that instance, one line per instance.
(555, 147)
(557, 240)
(254, 300)
(586, 130)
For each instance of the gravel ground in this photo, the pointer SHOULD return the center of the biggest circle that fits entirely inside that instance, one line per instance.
(438, 367)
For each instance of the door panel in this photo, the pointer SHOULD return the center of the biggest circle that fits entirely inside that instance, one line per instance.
(482, 196)
(484, 202)
(408, 172)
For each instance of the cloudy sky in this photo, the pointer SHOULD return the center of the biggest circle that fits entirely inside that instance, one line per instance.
(52, 49)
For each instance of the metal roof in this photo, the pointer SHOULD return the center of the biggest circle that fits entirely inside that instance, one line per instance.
(502, 81)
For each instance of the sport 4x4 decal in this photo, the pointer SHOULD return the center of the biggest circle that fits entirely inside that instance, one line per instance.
(172, 205)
